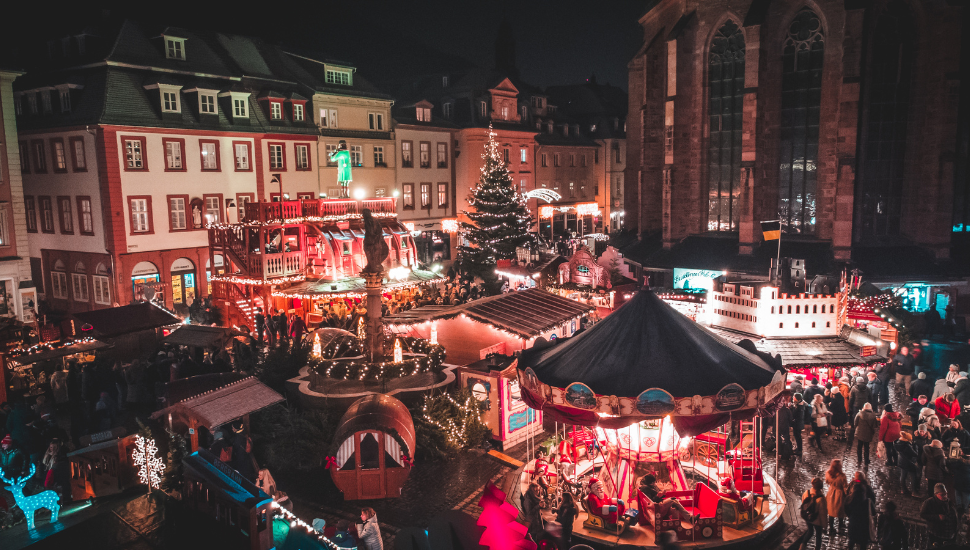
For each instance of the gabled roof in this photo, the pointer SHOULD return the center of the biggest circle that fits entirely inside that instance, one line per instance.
(225, 404)
(116, 321)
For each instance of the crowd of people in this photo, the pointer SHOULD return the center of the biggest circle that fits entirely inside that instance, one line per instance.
(925, 451)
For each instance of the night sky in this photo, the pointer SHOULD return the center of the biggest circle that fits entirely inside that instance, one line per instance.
(557, 41)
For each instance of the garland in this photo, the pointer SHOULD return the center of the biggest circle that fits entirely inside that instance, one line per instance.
(431, 359)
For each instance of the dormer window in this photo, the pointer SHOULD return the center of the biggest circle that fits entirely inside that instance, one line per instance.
(549, 126)
(175, 48)
(239, 103)
(537, 102)
(297, 112)
(444, 82)
(505, 112)
(551, 109)
(65, 95)
(565, 130)
(32, 102)
(423, 114)
(207, 103)
(45, 101)
(276, 110)
(448, 109)
(338, 76)
(484, 109)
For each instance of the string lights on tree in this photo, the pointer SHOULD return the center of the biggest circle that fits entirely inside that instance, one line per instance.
(150, 465)
(499, 221)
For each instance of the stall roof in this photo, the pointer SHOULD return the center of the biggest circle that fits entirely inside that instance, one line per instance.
(221, 405)
(647, 344)
(70, 349)
(199, 336)
(227, 480)
(809, 352)
(356, 284)
(527, 313)
(116, 321)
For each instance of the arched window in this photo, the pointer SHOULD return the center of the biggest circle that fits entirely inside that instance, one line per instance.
(801, 97)
(887, 110)
(726, 90)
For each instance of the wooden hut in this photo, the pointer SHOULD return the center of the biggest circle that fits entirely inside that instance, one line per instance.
(244, 512)
(133, 329)
(102, 468)
(500, 400)
(374, 448)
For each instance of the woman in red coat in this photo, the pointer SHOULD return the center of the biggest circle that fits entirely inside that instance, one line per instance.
(947, 406)
(889, 429)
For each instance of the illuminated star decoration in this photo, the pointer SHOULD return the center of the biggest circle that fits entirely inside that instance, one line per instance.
(150, 465)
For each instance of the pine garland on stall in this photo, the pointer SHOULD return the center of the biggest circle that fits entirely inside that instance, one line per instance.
(500, 219)
(447, 423)
(178, 449)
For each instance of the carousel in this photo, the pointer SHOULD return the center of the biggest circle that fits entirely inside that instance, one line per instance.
(659, 419)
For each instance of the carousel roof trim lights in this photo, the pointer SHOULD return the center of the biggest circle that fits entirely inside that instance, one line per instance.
(353, 287)
(646, 360)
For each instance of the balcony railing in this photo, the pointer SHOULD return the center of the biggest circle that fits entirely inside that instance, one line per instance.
(273, 211)
(384, 205)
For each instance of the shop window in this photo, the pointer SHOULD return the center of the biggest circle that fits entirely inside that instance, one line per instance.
(781, 325)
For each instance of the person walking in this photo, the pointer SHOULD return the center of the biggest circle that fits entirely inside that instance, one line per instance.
(370, 531)
(812, 390)
(891, 531)
(884, 373)
(860, 508)
(921, 386)
(866, 428)
(835, 498)
(259, 321)
(934, 463)
(960, 468)
(961, 391)
(875, 389)
(783, 438)
(297, 329)
(903, 365)
(916, 407)
(858, 397)
(814, 511)
(820, 420)
(840, 413)
(282, 325)
(800, 411)
(907, 457)
(940, 515)
(889, 428)
(566, 516)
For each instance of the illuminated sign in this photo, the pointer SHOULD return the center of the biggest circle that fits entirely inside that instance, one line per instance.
(695, 279)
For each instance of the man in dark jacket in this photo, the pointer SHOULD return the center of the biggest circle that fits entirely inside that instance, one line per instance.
(960, 468)
(941, 517)
(904, 368)
(962, 389)
(875, 390)
(814, 389)
(884, 373)
(259, 320)
(799, 411)
(922, 402)
(921, 386)
(934, 463)
(908, 457)
(858, 396)
(784, 422)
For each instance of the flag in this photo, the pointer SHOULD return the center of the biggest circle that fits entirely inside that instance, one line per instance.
(771, 230)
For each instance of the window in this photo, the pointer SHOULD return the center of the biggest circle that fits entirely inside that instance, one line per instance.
(241, 200)
(302, 151)
(885, 127)
(448, 110)
(59, 284)
(726, 96)
(85, 216)
(46, 215)
(210, 154)
(425, 195)
(423, 114)
(331, 149)
(425, 154)
(241, 151)
(175, 48)
(141, 217)
(177, 205)
(525, 113)
(32, 102)
(328, 118)
(170, 102)
(483, 107)
(542, 159)
(442, 155)
(173, 154)
(4, 231)
(505, 112)
(376, 121)
(18, 104)
(524, 155)
(240, 107)
(79, 282)
(442, 195)
(556, 159)
(379, 155)
(65, 100)
(333, 192)
(276, 159)
(304, 196)
(582, 160)
(406, 160)
(335, 76)
(275, 110)
(572, 189)
(30, 208)
(207, 105)
(213, 208)
(536, 102)
(572, 159)
(801, 91)
(444, 82)
(102, 290)
(77, 154)
(618, 158)
(45, 101)
(356, 155)
(298, 112)
(24, 158)
(408, 195)
(135, 153)
(40, 159)
(59, 155)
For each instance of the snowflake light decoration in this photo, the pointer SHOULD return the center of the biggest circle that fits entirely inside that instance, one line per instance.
(150, 466)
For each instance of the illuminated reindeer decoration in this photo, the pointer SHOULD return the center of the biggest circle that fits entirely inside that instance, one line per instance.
(32, 503)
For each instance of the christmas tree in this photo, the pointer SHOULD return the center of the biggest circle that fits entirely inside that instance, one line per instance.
(500, 219)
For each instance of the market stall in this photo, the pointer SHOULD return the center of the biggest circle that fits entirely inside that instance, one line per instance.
(648, 381)
(27, 371)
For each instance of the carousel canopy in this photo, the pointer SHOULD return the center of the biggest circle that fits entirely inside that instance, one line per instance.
(647, 344)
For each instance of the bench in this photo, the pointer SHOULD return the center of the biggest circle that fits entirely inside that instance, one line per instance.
(701, 501)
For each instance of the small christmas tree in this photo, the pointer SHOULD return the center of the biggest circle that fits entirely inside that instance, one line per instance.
(178, 449)
(500, 219)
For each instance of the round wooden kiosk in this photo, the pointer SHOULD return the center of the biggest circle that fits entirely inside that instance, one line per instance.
(374, 446)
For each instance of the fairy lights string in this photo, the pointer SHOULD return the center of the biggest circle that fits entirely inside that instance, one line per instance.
(49, 346)
(235, 279)
(425, 357)
(297, 522)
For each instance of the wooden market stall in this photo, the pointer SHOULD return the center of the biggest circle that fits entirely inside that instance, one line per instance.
(102, 468)
(28, 371)
(500, 400)
(374, 448)
(133, 329)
